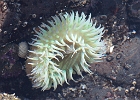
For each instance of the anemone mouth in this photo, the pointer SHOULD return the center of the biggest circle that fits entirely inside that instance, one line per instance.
(65, 48)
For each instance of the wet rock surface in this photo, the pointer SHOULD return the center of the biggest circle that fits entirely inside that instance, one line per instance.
(116, 78)
(10, 66)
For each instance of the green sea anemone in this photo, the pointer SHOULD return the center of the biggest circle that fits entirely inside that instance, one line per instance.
(63, 48)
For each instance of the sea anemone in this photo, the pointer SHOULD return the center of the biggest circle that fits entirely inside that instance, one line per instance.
(65, 47)
(6, 96)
